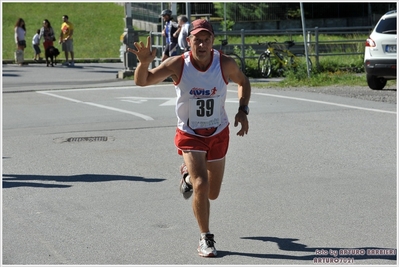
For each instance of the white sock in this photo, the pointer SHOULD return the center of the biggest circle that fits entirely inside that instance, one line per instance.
(187, 179)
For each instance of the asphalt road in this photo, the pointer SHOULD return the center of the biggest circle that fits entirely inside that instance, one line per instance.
(90, 176)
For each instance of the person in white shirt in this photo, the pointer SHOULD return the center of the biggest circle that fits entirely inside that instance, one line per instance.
(182, 32)
(19, 35)
(36, 45)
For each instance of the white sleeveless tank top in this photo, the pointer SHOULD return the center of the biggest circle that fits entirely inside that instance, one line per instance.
(200, 98)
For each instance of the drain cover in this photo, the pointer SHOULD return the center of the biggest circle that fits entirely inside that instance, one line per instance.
(88, 139)
(84, 139)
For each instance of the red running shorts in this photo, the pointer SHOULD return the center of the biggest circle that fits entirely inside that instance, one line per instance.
(215, 147)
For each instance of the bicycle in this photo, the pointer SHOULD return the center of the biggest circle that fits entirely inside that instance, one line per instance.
(284, 58)
(233, 55)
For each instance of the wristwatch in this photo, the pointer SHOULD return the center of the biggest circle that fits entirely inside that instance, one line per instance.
(244, 108)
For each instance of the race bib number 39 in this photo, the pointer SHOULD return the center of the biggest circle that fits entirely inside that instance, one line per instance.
(204, 112)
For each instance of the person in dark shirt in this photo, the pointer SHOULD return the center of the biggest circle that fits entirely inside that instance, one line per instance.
(168, 31)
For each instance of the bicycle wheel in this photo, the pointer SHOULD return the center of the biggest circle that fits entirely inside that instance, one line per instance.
(238, 60)
(264, 65)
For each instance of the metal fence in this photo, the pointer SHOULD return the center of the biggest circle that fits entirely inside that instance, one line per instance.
(146, 11)
(316, 47)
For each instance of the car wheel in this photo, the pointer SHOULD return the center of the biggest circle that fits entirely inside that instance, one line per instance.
(375, 82)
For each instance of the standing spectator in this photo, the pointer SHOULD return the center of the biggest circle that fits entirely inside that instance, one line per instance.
(36, 47)
(19, 33)
(182, 32)
(66, 39)
(47, 33)
(168, 31)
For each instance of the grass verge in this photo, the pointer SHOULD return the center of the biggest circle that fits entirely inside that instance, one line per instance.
(320, 80)
(98, 26)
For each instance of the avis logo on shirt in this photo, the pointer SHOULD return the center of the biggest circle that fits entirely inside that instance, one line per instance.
(200, 91)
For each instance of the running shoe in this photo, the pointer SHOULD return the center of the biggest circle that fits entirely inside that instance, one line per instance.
(206, 247)
(185, 188)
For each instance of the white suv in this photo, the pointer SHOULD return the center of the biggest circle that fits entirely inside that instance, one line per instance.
(380, 52)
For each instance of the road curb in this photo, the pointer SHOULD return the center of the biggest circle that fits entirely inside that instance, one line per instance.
(77, 60)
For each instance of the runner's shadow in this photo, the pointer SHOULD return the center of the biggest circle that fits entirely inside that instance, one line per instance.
(104, 71)
(117, 66)
(74, 67)
(289, 244)
(224, 253)
(21, 180)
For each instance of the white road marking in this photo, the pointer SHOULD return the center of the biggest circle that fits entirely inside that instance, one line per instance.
(234, 100)
(145, 117)
(112, 88)
(172, 101)
(139, 101)
(327, 103)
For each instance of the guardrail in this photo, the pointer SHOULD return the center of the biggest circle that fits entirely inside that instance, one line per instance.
(157, 40)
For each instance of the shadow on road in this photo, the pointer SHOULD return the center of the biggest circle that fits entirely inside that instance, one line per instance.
(289, 244)
(23, 180)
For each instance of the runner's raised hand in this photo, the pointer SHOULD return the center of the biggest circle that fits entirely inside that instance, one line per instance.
(144, 53)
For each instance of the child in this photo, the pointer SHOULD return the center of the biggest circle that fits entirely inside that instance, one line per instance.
(36, 43)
